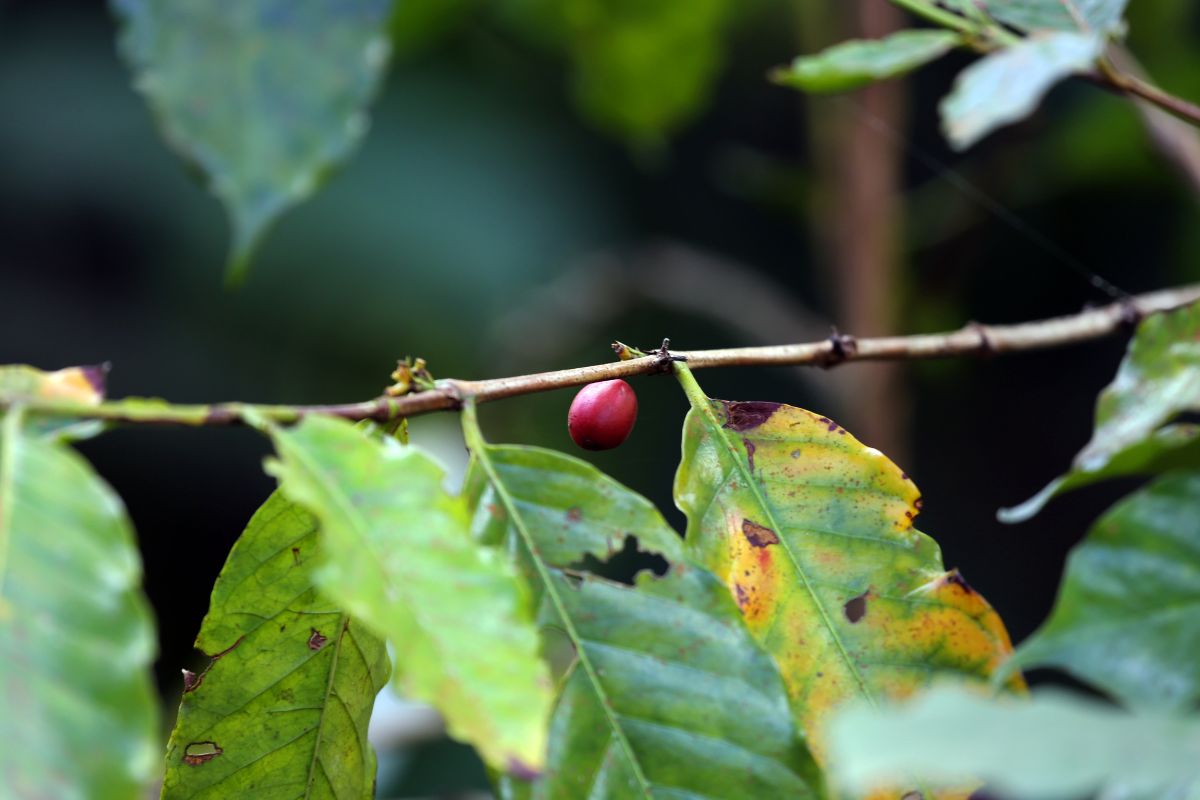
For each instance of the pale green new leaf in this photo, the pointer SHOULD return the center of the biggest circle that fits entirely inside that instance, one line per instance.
(668, 696)
(1158, 379)
(859, 62)
(1053, 747)
(1102, 16)
(1127, 617)
(399, 556)
(1006, 86)
(283, 707)
(264, 96)
(78, 709)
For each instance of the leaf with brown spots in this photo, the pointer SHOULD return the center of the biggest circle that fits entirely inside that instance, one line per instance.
(287, 690)
(664, 693)
(820, 552)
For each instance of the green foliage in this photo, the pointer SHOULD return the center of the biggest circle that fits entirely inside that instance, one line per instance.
(640, 68)
(1052, 747)
(859, 62)
(399, 556)
(264, 96)
(1007, 85)
(1128, 614)
(667, 694)
(812, 532)
(1158, 379)
(78, 713)
(1103, 16)
(285, 701)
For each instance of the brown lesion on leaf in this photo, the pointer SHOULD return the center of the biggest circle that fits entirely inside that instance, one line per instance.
(190, 680)
(296, 555)
(856, 607)
(198, 753)
(750, 448)
(317, 640)
(913, 796)
(758, 535)
(740, 594)
(574, 514)
(748, 415)
(520, 770)
(955, 578)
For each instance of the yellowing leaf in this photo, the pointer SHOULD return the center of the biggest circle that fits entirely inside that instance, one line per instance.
(813, 534)
(73, 384)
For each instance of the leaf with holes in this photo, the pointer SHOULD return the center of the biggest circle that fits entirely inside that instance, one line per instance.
(1007, 85)
(1158, 379)
(265, 96)
(1102, 16)
(666, 695)
(859, 62)
(1127, 617)
(282, 708)
(78, 709)
(1055, 746)
(399, 556)
(813, 534)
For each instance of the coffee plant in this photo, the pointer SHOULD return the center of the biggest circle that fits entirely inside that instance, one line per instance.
(803, 639)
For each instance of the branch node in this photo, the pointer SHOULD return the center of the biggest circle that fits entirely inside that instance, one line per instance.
(842, 347)
(986, 348)
(453, 391)
(1130, 315)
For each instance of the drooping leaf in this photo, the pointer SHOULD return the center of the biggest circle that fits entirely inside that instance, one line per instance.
(1006, 86)
(668, 695)
(1102, 16)
(78, 710)
(813, 534)
(83, 386)
(640, 68)
(264, 96)
(1158, 379)
(1127, 617)
(859, 62)
(1055, 746)
(399, 556)
(282, 708)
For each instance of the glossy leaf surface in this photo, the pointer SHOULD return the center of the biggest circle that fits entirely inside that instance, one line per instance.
(859, 62)
(284, 704)
(78, 708)
(812, 532)
(399, 556)
(667, 696)
(1053, 747)
(1102, 16)
(1158, 379)
(1007, 85)
(264, 96)
(1127, 618)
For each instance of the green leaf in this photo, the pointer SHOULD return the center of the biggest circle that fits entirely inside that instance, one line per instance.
(264, 96)
(1056, 746)
(78, 709)
(640, 68)
(1102, 16)
(859, 62)
(399, 556)
(1007, 85)
(1158, 379)
(812, 532)
(284, 704)
(1127, 617)
(668, 695)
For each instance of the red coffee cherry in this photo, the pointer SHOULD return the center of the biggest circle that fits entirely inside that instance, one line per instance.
(602, 415)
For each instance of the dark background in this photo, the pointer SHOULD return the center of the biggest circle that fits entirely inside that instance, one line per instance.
(488, 228)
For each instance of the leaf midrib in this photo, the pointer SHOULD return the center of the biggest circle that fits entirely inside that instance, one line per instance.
(716, 430)
(479, 448)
